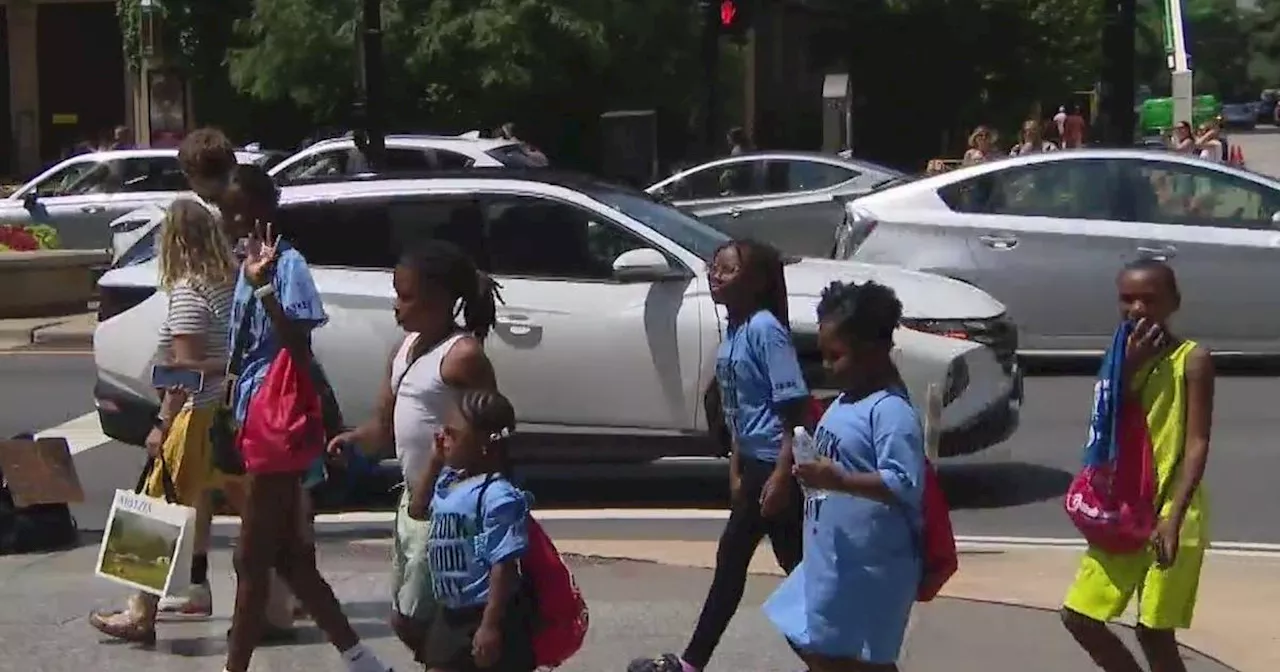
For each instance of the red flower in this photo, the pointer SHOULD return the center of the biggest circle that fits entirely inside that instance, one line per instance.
(18, 239)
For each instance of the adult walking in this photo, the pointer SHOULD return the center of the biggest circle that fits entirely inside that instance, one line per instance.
(982, 146)
(436, 360)
(198, 273)
(276, 285)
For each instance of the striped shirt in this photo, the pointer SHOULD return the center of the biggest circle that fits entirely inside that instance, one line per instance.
(200, 309)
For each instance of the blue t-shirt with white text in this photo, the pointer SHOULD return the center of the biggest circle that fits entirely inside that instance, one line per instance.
(462, 547)
(296, 291)
(757, 369)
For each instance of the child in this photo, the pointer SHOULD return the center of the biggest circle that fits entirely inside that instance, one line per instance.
(764, 397)
(478, 534)
(1173, 380)
(846, 606)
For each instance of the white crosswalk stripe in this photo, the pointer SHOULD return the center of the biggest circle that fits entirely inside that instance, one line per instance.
(82, 433)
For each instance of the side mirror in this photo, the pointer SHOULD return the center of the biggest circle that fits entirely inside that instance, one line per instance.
(30, 200)
(1275, 218)
(642, 264)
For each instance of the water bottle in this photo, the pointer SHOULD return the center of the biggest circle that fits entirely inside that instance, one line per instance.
(805, 451)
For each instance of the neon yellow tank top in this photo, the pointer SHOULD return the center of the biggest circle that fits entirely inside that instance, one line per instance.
(1163, 391)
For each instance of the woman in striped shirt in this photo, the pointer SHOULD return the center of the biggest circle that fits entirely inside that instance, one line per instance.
(198, 272)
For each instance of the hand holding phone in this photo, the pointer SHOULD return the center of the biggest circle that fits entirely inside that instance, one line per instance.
(167, 377)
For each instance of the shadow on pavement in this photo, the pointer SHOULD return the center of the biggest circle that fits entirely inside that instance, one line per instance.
(993, 486)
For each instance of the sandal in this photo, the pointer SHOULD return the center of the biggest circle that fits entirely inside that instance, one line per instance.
(126, 625)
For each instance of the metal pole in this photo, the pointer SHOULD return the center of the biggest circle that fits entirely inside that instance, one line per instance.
(711, 72)
(371, 110)
(1117, 82)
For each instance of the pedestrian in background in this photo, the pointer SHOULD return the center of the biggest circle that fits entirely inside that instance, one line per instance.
(1173, 380)
(846, 607)
(435, 361)
(982, 146)
(763, 397)
(1182, 140)
(1074, 128)
(276, 284)
(198, 272)
(1031, 141)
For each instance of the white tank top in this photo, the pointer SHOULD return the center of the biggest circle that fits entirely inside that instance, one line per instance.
(422, 400)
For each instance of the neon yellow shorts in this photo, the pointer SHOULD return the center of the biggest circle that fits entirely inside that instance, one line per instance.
(1106, 582)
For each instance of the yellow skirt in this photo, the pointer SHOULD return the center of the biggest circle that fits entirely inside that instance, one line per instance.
(188, 453)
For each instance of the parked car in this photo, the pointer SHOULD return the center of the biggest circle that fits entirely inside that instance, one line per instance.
(404, 154)
(606, 339)
(1046, 233)
(79, 196)
(1240, 115)
(788, 199)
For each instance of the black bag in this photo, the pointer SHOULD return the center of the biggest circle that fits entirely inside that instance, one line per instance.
(40, 528)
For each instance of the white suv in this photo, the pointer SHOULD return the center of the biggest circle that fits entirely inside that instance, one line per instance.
(404, 154)
(607, 337)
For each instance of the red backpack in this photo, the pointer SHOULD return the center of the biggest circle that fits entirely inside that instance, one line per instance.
(1114, 502)
(937, 541)
(284, 426)
(561, 619)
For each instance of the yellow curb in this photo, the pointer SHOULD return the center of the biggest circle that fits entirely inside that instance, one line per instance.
(1235, 612)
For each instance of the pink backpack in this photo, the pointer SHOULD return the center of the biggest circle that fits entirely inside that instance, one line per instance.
(1113, 502)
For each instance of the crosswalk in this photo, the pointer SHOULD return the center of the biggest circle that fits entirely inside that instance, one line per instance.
(82, 433)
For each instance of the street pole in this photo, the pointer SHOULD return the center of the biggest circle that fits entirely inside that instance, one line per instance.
(370, 135)
(711, 70)
(1117, 85)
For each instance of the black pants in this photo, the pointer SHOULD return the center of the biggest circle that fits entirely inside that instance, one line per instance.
(742, 534)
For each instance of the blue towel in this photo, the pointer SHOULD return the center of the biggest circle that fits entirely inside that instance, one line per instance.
(1101, 446)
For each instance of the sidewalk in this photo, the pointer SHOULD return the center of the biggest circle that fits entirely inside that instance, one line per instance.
(637, 608)
(68, 332)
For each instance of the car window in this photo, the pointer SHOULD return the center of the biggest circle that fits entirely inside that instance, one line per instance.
(353, 234)
(456, 219)
(516, 155)
(72, 180)
(320, 164)
(1172, 193)
(446, 160)
(157, 173)
(543, 238)
(737, 178)
(788, 175)
(687, 232)
(1075, 189)
(408, 160)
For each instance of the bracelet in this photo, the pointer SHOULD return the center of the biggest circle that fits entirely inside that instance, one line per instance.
(264, 291)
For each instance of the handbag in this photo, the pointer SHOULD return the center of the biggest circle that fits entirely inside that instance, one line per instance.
(283, 429)
(222, 432)
(148, 543)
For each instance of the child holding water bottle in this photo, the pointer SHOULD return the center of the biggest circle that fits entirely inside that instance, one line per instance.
(764, 396)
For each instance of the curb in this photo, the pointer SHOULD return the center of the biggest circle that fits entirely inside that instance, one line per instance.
(49, 336)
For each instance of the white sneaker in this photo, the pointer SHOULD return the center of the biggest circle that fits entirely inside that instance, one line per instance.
(197, 600)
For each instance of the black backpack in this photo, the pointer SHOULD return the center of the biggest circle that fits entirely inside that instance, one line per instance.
(34, 529)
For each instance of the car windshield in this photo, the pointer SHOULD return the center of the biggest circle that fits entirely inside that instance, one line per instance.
(683, 230)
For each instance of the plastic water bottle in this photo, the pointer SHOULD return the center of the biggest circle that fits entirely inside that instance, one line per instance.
(805, 451)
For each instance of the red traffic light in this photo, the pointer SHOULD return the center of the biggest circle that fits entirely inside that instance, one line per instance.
(728, 13)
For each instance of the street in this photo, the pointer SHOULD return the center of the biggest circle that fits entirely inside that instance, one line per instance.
(1010, 491)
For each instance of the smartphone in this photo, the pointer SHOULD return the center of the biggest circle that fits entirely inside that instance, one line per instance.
(164, 377)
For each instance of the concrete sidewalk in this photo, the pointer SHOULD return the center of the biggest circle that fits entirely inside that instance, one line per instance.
(637, 608)
(67, 332)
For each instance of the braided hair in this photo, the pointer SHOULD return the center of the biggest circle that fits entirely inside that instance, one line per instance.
(764, 263)
(445, 265)
(866, 313)
(491, 416)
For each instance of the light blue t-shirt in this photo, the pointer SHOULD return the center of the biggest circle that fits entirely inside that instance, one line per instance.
(757, 369)
(462, 546)
(297, 294)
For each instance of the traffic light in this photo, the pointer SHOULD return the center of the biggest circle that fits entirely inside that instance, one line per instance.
(727, 17)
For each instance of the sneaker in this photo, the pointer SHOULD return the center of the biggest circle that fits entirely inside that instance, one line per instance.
(667, 662)
(196, 601)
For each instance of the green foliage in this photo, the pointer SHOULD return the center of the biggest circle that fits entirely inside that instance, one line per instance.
(46, 236)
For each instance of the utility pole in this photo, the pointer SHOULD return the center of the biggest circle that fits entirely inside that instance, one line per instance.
(1117, 120)
(370, 112)
(709, 10)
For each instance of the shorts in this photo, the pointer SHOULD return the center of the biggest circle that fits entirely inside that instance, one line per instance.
(411, 592)
(448, 643)
(1106, 582)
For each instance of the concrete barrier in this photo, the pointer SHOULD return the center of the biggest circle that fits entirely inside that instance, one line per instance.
(48, 282)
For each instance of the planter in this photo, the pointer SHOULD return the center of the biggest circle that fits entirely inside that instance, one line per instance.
(19, 238)
(45, 283)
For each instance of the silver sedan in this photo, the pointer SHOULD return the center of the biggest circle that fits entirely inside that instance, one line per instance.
(791, 200)
(1046, 233)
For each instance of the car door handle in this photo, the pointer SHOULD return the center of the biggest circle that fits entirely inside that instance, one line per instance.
(999, 242)
(1158, 253)
(92, 209)
(516, 324)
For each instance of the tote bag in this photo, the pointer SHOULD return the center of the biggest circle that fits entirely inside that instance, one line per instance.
(147, 543)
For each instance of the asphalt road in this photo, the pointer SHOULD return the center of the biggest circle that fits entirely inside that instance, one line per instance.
(1261, 148)
(1013, 490)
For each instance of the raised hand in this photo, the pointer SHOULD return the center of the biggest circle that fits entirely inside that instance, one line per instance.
(260, 255)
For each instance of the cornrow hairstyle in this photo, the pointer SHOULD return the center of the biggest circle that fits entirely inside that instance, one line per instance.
(865, 313)
(490, 415)
(255, 183)
(764, 263)
(444, 264)
(1164, 270)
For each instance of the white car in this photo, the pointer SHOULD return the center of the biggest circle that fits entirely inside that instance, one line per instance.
(606, 340)
(81, 195)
